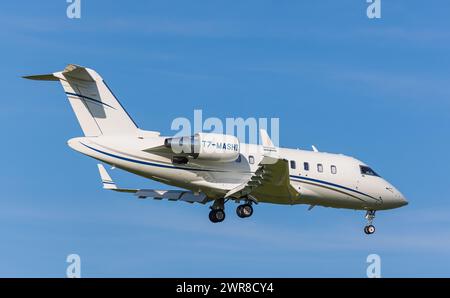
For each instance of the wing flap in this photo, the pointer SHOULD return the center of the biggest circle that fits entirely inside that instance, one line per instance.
(271, 179)
(171, 195)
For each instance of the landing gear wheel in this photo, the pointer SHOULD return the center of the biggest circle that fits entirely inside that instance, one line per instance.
(244, 211)
(370, 229)
(239, 211)
(217, 215)
(212, 217)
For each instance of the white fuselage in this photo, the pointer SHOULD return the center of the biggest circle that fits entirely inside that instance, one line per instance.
(331, 180)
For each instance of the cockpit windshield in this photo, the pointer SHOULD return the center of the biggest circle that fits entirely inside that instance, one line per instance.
(365, 170)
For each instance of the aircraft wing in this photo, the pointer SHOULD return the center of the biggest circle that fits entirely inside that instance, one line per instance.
(171, 195)
(271, 179)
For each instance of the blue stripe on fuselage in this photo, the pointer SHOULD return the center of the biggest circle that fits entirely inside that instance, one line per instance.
(332, 184)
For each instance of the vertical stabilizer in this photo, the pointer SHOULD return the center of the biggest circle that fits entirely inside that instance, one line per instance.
(97, 109)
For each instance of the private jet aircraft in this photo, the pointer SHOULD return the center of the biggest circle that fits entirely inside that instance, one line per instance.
(216, 168)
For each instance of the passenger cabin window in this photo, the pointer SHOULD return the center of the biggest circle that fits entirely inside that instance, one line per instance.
(293, 164)
(319, 168)
(306, 166)
(251, 159)
(365, 170)
(333, 170)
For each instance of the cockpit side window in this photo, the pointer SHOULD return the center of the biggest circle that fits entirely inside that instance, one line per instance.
(365, 170)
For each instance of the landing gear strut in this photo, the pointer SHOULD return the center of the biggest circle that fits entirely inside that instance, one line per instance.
(217, 213)
(369, 228)
(245, 210)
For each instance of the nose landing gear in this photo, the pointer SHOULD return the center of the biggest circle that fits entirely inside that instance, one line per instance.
(369, 228)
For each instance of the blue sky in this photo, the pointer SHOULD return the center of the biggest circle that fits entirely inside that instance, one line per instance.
(374, 89)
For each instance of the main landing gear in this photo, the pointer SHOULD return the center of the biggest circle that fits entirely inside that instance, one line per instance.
(245, 210)
(217, 213)
(369, 228)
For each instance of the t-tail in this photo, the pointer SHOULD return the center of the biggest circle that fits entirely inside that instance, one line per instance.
(98, 111)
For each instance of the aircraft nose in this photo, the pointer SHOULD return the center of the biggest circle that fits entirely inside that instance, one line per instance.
(402, 200)
(398, 198)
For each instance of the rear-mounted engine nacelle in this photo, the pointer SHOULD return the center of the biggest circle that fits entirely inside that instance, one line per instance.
(206, 146)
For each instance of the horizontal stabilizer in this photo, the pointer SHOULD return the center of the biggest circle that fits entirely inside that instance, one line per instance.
(78, 72)
(45, 77)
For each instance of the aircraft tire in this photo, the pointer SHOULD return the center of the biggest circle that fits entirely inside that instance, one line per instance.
(369, 230)
(245, 210)
(217, 215)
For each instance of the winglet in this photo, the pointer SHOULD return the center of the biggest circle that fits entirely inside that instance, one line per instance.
(314, 148)
(108, 183)
(270, 151)
(265, 139)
